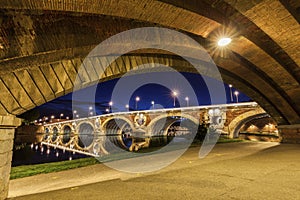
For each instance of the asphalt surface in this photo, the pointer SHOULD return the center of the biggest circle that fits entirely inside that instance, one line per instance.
(250, 170)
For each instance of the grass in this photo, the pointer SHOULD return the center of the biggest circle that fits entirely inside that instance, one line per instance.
(30, 170)
(225, 140)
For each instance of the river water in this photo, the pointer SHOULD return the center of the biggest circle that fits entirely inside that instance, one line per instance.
(37, 154)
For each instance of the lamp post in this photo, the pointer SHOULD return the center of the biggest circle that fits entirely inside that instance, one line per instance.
(107, 110)
(90, 111)
(52, 117)
(236, 93)
(127, 107)
(187, 101)
(74, 113)
(152, 102)
(174, 94)
(137, 99)
(61, 115)
(230, 89)
(110, 106)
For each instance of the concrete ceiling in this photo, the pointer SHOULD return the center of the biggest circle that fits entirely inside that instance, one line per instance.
(43, 43)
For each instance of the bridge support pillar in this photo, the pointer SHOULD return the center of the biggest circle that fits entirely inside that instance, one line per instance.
(8, 123)
(289, 133)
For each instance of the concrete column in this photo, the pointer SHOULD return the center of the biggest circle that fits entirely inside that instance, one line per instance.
(8, 123)
(289, 133)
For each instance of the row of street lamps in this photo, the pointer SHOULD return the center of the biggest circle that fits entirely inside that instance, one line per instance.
(174, 94)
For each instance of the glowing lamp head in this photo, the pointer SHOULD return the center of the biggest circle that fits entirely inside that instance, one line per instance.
(137, 98)
(175, 93)
(224, 41)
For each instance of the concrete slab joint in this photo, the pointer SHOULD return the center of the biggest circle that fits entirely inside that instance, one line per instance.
(8, 123)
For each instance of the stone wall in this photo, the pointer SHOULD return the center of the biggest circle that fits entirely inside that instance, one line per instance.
(8, 124)
(29, 134)
(290, 133)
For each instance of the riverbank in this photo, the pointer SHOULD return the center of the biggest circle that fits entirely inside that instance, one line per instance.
(30, 170)
(250, 170)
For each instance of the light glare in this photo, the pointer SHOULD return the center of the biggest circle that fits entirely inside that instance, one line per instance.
(224, 41)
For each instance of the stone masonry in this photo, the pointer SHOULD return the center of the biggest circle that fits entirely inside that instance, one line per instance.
(8, 124)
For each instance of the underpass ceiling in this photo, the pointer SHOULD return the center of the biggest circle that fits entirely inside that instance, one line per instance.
(263, 59)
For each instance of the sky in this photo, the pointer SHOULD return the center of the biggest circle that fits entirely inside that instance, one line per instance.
(155, 86)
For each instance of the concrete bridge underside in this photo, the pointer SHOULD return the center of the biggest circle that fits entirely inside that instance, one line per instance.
(43, 43)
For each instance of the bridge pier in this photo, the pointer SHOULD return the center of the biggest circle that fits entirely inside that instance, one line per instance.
(8, 123)
(290, 133)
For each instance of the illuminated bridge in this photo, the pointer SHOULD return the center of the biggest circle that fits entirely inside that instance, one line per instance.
(98, 135)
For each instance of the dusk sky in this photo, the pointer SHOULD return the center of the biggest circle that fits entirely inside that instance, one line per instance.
(161, 95)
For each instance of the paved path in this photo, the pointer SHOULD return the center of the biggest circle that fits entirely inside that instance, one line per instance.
(250, 170)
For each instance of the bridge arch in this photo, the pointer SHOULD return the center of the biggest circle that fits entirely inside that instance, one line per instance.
(153, 123)
(237, 122)
(85, 135)
(55, 134)
(118, 131)
(66, 134)
(104, 123)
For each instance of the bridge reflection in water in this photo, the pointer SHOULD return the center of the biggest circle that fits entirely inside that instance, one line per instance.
(132, 131)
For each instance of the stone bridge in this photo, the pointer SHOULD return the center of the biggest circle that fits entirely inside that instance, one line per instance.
(134, 130)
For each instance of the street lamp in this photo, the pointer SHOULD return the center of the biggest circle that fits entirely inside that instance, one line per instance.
(110, 105)
(52, 117)
(127, 107)
(107, 110)
(174, 94)
(152, 102)
(187, 101)
(224, 41)
(137, 99)
(61, 115)
(90, 110)
(231, 97)
(236, 93)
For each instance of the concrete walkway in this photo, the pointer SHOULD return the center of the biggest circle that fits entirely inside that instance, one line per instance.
(250, 170)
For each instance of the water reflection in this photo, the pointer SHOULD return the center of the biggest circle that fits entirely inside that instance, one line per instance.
(37, 154)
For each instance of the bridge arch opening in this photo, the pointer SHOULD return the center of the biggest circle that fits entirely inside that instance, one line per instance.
(47, 133)
(85, 135)
(66, 134)
(54, 134)
(119, 134)
(173, 128)
(235, 126)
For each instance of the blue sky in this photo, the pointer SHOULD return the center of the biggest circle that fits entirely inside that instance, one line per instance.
(197, 92)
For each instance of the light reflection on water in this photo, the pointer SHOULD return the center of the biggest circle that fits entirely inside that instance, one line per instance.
(37, 154)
